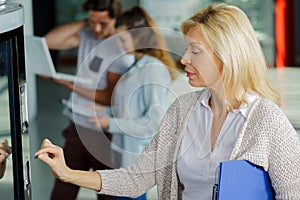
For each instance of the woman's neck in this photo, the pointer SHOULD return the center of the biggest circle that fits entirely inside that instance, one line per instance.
(217, 105)
(220, 104)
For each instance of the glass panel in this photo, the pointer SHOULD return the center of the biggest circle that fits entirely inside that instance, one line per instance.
(6, 183)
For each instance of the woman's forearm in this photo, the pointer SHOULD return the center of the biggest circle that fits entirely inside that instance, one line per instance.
(86, 179)
(53, 156)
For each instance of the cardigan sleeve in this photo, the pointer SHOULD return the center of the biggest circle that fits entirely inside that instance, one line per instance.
(269, 140)
(134, 180)
(284, 159)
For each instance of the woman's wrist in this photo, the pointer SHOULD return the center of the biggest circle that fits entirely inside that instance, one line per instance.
(86, 179)
(67, 175)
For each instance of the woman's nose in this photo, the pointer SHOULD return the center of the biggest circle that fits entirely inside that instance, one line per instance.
(184, 60)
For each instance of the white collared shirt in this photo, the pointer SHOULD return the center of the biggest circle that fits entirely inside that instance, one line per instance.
(197, 164)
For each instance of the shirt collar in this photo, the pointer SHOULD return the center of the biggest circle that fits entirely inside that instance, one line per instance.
(138, 64)
(142, 61)
(243, 109)
(204, 98)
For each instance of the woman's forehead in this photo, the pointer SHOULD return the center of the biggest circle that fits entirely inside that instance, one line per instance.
(195, 36)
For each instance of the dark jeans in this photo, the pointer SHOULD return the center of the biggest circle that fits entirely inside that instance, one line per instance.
(83, 149)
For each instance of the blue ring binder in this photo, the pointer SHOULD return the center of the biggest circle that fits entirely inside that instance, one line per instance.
(241, 179)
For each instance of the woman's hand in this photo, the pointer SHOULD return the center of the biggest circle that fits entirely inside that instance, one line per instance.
(53, 156)
(96, 107)
(5, 151)
(100, 121)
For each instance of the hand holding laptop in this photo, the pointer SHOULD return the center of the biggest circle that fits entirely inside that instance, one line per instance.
(100, 121)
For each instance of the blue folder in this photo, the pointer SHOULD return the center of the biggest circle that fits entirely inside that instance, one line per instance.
(241, 179)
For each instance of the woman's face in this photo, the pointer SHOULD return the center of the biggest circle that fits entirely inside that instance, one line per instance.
(202, 66)
(125, 39)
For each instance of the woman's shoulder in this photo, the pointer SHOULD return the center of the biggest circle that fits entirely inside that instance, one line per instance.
(152, 68)
(266, 112)
(187, 100)
(190, 96)
(268, 107)
(151, 59)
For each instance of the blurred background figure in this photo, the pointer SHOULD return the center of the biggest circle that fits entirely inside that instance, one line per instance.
(82, 139)
(141, 96)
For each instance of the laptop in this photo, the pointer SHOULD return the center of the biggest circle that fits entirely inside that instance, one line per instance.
(40, 61)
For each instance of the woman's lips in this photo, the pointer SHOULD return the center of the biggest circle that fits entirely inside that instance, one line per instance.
(189, 74)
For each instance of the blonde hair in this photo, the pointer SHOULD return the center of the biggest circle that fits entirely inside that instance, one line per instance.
(228, 31)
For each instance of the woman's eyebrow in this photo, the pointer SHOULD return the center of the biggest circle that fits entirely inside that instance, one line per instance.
(199, 44)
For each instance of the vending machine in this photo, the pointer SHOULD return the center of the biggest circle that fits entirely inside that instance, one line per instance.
(15, 184)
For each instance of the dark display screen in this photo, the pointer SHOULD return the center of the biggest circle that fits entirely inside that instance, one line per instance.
(6, 183)
(15, 184)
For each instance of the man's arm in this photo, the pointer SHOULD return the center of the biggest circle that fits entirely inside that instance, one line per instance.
(104, 96)
(100, 96)
(65, 36)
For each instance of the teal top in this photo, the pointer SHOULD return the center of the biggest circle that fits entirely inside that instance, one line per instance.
(140, 101)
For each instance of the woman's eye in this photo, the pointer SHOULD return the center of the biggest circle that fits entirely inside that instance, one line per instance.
(195, 51)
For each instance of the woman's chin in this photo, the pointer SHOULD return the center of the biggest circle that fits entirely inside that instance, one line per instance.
(194, 83)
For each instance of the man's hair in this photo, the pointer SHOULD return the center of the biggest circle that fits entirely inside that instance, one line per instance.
(114, 7)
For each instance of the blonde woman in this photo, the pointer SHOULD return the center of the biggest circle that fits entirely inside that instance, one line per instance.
(236, 116)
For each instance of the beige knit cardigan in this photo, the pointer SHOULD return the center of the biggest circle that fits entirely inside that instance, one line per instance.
(267, 139)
